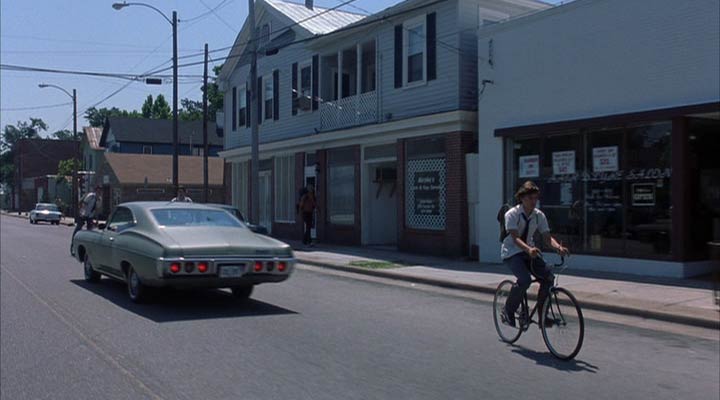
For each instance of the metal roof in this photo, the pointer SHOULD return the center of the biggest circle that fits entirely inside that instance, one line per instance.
(144, 130)
(93, 135)
(157, 169)
(318, 20)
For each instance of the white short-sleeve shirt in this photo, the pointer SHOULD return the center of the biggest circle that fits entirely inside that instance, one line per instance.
(514, 221)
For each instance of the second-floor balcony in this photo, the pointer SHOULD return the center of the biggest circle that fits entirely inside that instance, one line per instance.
(355, 110)
(348, 95)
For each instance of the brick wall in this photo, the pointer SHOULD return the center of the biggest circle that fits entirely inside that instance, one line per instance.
(453, 241)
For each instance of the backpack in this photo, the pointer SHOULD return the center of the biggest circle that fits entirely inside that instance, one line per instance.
(501, 220)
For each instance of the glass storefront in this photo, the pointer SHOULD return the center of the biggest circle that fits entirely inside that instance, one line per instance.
(605, 190)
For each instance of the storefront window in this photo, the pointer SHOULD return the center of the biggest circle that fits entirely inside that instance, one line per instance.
(341, 186)
(425, 184)
(647, 184)
(562, 189)
(605, 190)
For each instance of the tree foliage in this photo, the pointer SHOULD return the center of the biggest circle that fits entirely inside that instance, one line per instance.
(65, 167)
(161, 108)
(96, 117)
(64, 134)
(147, 107)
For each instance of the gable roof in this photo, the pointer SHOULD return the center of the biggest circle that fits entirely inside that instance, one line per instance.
(93, 135)
(317, 21)
(144, 130)
(135, 168)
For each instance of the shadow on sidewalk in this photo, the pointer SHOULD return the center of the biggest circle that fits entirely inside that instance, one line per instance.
(182, 305)
(546, 359)
(462, 265)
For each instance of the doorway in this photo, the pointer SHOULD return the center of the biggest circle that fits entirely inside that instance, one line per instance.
(311, 179)
(704, 140)
(380, 203)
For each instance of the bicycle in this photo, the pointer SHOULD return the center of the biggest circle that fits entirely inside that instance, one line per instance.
(564, 327)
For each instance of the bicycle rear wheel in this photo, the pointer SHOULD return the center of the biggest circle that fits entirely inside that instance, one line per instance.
(507, 333)
(565, 333)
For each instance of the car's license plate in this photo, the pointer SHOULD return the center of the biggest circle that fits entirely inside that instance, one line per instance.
(231, 271)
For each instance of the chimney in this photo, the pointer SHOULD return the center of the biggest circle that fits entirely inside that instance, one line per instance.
(309, 4)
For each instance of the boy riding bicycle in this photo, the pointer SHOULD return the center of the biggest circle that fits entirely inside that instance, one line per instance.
(518, 249)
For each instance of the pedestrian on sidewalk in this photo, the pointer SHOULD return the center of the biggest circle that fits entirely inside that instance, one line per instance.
(182, 196)
(308, 205)
(519, 253)
(87, 210)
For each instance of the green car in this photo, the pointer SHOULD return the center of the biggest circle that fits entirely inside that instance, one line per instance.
(180, 245)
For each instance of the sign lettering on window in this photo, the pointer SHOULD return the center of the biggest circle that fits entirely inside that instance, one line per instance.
(605, 159)
(563, 162)
(529, 166)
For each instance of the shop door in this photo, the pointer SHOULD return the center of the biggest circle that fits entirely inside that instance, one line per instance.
(381, 204)
(310, 179)
(704, 185)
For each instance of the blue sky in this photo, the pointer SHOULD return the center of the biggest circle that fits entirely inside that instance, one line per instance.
(89, 35)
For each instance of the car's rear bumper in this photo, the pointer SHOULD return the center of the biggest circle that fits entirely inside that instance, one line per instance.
(186, 282)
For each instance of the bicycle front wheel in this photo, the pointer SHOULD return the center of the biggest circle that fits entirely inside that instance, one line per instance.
(508, 333)
(564, 326)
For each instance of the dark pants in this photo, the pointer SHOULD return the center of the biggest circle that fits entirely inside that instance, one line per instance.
(519, 264)
(308, 221)
(79, 222)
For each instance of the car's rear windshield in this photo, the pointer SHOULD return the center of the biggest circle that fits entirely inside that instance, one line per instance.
(48, 207)
(169, 217)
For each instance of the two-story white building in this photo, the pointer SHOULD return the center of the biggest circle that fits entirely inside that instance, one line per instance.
(377, 111)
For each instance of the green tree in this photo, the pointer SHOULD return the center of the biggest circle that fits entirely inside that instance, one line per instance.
(64, 134)
(96, 117)
(65, 168)
(192, 110)
(147, 107)
(161, 109)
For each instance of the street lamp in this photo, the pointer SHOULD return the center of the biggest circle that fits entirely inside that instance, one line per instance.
(173, 22)
(78, 156)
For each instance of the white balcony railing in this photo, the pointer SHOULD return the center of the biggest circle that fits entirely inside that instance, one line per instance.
(351, 111)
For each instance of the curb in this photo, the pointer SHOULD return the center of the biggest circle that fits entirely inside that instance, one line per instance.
(702, 322)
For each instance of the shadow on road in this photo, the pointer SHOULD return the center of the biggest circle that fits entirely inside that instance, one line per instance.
(548, 360)
(182, 305)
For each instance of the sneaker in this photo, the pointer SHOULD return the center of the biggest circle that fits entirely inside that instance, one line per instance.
(507, 318)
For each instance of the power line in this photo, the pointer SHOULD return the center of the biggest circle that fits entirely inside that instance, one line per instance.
(219, 17)
(205, 14)
(82, 41)
(36, 107)
(132, 77)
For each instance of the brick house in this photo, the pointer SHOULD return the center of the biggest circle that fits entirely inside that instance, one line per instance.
(148, 177)
(35, 159)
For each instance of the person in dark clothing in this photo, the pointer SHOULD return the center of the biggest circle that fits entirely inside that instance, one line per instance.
(308, 205)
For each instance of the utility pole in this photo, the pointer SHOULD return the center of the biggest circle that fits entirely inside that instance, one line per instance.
(78, 157)
(254, 107)
(176, 180)
(205, 128)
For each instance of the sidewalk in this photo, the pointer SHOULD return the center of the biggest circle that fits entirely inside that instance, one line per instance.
(685, 301)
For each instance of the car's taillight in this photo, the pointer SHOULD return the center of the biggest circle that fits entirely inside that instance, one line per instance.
(202, 267)
(175, 268)
(282, 266)
(258, 266)
(270, 265)
(189, 267)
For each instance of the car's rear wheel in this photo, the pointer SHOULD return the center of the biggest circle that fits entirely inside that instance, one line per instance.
(242, 293)
(138, 292)
(90, 274)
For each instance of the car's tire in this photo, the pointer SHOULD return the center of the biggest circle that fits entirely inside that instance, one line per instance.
(32, 222)
(91, 275)
(138, 292)
(242, 293)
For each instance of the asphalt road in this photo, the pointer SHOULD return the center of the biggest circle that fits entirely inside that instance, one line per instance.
(316, 336)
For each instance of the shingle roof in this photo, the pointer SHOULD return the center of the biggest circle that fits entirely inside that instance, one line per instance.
(318, 20)
(93, 135)
(144, 130)
(134, 168)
